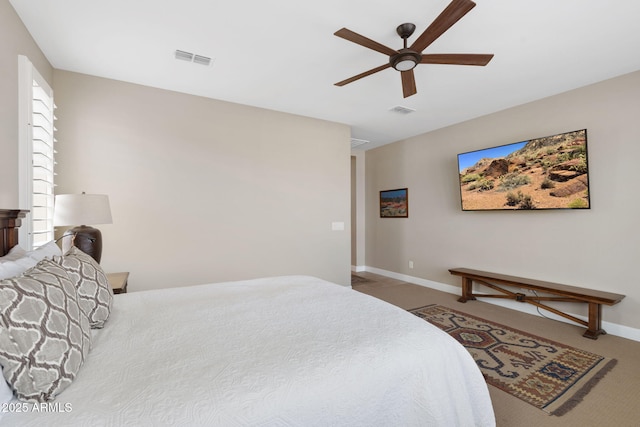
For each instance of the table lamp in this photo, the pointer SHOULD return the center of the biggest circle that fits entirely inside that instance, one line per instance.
(74, 209)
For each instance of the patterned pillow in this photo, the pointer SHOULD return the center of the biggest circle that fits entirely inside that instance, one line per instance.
(17, 261)
(44, 335)
(94, 293)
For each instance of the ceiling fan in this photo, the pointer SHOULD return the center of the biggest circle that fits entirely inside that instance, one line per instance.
(407, 58)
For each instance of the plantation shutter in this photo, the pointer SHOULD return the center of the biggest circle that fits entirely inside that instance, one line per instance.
(43, 129)
(36, 155)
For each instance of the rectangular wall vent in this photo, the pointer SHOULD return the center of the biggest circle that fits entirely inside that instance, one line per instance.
(402, 110)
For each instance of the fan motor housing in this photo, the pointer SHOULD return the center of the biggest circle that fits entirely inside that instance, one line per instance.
(402, 60)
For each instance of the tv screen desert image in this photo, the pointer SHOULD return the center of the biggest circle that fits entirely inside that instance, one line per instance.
(542, 173)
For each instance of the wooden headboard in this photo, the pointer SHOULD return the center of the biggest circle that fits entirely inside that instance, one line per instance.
(10, 221)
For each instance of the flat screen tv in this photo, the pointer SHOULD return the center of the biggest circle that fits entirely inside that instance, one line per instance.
(543, 173)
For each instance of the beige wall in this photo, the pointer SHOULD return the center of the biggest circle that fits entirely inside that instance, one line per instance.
(14, 41)
(204, 190)
(354, 213)
(597, 248)
(358, 214)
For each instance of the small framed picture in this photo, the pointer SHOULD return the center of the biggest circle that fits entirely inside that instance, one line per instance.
(394, 203)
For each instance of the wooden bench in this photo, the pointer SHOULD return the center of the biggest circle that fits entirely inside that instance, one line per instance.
(565, 293)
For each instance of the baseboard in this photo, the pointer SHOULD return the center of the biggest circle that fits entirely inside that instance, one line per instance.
(415, 280)
(611, 328)
(358, 268)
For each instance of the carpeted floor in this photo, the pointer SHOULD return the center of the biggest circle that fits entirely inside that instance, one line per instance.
(612, 402)
(546, 374)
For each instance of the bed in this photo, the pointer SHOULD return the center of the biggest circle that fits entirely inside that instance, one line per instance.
(281, 351)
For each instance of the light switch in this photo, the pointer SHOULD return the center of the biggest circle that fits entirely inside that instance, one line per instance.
(337, 226)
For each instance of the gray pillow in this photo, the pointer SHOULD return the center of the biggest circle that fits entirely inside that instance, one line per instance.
(94, 292)
(44, 335)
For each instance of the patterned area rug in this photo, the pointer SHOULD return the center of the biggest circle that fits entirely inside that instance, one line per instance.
(548, 375)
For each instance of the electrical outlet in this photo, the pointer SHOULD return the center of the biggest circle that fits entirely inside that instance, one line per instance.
(410, 264)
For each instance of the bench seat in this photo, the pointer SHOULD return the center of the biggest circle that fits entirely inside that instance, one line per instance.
(562, 293)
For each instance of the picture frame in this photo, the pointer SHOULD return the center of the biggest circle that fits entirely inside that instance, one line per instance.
(394, 203)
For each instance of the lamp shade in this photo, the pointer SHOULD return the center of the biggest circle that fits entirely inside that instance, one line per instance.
(81, 209)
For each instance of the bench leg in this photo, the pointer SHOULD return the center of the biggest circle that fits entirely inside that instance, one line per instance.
(595, 322)
(467, 291)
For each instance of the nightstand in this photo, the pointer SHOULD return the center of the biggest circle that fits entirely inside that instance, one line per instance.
(118, 282)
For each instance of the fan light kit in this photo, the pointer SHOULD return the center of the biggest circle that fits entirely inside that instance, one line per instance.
(407, 58)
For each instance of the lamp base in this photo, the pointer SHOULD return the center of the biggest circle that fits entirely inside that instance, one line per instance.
(87, 239)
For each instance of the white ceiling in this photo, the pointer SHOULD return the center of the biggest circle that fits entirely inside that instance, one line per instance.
(282, 54)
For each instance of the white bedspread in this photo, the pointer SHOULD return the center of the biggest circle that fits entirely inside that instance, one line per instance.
(286, 351)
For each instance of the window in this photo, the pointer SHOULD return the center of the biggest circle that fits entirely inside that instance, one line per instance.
(36, 156)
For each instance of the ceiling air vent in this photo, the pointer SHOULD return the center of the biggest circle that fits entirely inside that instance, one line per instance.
(191, 57)
(357, 142)
(184, 56)
(202, 60)
(402, 110)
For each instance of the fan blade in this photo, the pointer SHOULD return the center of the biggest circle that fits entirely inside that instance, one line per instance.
(363, 41)
(365, 74)
(457, 59)
(408, 83)
(452, 14)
